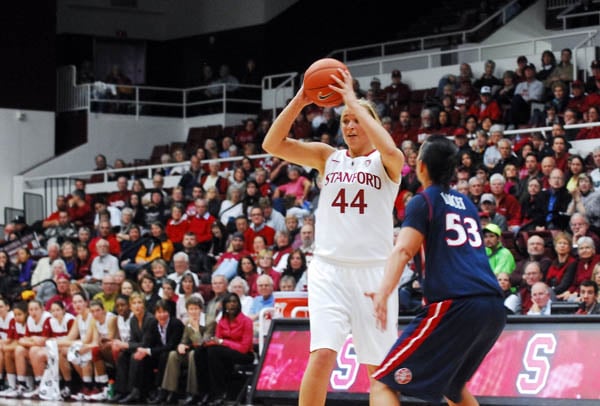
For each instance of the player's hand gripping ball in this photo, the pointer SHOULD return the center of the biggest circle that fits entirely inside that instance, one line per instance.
(317, 79)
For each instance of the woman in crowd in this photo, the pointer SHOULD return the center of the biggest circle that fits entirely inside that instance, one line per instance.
(168, 291)
(9, 275)
(26, 265)
(213, 200)
(282, 249)
(128, 287)
(231, 208)
(135, 203)
(532, 206)
(187, 289)
(193, 338)
(511, 299)
(218, 243)
(265, 266)
(157, 245)
(296, 267)
(247, 269)
(586, 200)
(83, 262)
(177, 226)
(140, 322)
(236, 180)
(232, 344)
(258, 244)
(562, 265)
(68, 254)
(149, 291)
(160, 270)
(250, 197)
(239, 286)
(576, 167)
(587, 259)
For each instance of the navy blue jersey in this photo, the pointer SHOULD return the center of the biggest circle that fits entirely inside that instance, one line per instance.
(453, 254)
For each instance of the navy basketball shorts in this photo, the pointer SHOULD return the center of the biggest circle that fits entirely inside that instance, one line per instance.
(439, 351)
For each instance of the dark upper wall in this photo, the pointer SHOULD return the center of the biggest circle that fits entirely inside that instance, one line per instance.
(27, 40)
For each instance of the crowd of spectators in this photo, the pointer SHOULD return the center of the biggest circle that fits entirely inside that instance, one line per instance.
(139, 281)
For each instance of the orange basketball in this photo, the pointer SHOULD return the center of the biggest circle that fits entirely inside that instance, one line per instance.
(317, 78)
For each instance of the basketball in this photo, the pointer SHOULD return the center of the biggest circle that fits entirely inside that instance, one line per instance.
(317, 78)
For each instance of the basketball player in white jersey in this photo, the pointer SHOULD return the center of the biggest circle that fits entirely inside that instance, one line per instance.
(98, 340)
(6, 315)
(79, 329)
(16, 330)
(353, 237)
(37, 330)
(60, 324)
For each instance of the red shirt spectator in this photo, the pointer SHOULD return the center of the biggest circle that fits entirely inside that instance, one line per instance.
(201, 223)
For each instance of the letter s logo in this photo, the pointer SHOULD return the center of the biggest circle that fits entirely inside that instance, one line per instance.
(344, 375)
(536, 363)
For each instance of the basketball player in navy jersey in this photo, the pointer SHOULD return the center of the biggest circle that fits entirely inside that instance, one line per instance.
(439, 351)
(353, 236)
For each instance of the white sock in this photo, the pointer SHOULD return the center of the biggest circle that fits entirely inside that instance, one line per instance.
(12, 380)
(101, 379)
(87, 379)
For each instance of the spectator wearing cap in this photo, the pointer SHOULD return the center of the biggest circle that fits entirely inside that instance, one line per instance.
(397, 94)
(488, 78)
(467, 91)
(461, 140)
(486, 106)
(487, 204)
(526, 92)
(378, 92)
(577, 97)
(591, 85)
(228, 261)
(500, 257)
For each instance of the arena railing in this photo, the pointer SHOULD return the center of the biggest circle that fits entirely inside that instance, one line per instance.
(422, 43)
(139, 100)
(41, 186)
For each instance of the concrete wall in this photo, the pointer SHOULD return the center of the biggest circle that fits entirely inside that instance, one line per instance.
(27, 138)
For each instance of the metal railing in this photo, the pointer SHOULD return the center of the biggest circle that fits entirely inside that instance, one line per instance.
(422, 43)
(100, 97)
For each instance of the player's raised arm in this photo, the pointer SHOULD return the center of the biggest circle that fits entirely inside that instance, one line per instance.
(391, 156)
(277, 142)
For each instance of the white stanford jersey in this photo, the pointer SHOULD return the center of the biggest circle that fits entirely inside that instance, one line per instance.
(5, 324)
(103, 328)
(41, 328)
(62, 329)
(354, 220)
(84, 325)
(124, 327)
